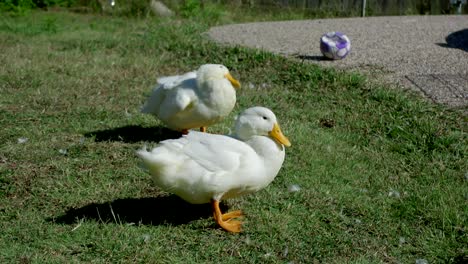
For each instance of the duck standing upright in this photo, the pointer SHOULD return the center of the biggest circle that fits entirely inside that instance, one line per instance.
(206, 168)
(193, 100)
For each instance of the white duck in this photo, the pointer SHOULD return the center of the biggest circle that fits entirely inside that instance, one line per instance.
(193, 100)
(204, 168)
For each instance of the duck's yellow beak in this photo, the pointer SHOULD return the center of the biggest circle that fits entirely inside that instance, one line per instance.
(233, 81)
(277, 135)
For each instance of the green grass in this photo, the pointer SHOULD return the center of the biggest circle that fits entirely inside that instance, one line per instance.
(383, 180)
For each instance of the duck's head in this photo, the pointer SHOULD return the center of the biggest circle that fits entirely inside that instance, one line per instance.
(259, 121)
(216, 72)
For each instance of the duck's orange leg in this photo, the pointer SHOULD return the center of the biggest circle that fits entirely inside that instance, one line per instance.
(203, 129)
(225, 221)
(184, 131)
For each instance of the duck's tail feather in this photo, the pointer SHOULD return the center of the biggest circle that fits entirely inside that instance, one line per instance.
(149, 161)
(156, 161)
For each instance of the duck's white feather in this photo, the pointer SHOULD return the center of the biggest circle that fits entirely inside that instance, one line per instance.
(169, 82)
(195, 99)
(200, 167)
(172, 95)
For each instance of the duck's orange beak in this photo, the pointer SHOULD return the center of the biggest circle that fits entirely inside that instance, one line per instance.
(233, 81)
(277, 135)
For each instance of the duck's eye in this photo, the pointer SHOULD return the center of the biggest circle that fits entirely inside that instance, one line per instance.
(264, 117)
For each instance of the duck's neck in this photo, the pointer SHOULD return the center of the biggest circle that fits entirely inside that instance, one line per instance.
(271, 152)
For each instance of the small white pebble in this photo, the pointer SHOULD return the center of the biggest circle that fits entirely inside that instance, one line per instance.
(251, 85)
(394, 193)
(127, 114)
(357, 221)
(294, 188)
(63, 151)
(267, 255)
(285, 252)
(146, 238)
(22, 140)
(402, 240)
(264, 85)
(248, 241)
(421, 261)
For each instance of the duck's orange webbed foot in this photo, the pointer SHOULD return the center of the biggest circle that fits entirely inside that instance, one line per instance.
(225, 220)
(231, 215)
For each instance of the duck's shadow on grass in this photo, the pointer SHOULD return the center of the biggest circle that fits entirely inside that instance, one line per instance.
(133, 134)
(147, 211)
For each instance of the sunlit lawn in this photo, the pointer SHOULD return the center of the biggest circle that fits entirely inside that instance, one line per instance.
(382, 174)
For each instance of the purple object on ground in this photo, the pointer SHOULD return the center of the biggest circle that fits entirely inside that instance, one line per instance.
(335, 45)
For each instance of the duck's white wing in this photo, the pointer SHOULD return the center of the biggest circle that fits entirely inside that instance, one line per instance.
(169, 82)
(163, 88)
(217, 153)
(179, 99)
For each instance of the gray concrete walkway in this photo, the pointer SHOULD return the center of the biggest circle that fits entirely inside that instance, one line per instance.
(428, 54)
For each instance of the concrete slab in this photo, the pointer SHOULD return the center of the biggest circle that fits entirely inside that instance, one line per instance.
(424, 53)
(449, 89)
